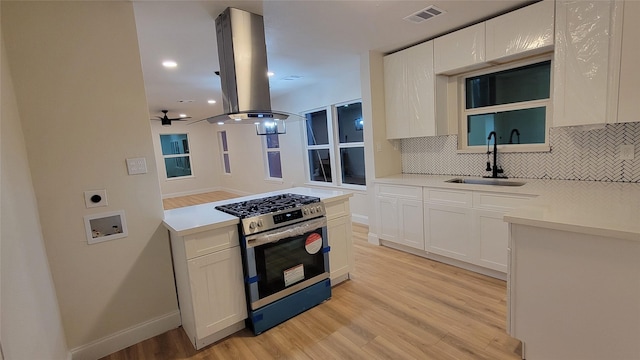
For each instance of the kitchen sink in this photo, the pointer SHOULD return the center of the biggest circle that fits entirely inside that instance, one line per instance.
(495, 182)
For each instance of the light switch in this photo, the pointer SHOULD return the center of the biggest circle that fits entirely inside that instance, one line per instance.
(137, 166)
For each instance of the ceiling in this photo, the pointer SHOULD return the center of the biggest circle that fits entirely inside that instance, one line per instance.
(307, 40)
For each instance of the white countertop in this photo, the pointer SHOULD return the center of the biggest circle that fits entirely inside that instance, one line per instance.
(198, 218)
(589, 207)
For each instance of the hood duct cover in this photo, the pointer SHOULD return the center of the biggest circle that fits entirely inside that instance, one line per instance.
(242, 53)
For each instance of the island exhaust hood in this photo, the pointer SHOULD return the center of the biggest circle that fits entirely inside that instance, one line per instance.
(242, 53)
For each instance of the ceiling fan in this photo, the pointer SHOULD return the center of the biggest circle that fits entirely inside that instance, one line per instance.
(166, 121)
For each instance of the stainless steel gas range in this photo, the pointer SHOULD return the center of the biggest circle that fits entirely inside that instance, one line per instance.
(285, 256)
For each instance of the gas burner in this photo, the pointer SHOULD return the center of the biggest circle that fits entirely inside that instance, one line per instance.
(266, 205)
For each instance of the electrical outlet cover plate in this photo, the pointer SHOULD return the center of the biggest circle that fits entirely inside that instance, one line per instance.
(627, 152)
(95, 198)
(137, 166)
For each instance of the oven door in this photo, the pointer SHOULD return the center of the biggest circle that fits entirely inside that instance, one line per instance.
(283, 261)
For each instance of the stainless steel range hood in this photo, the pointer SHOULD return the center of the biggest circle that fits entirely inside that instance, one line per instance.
(242, 53)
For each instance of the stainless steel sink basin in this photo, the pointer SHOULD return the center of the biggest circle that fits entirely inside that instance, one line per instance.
(495, 182)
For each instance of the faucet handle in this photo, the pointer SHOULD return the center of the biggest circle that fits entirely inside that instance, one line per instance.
(500, 170)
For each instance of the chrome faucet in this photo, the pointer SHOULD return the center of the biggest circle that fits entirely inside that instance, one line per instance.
(495, 170)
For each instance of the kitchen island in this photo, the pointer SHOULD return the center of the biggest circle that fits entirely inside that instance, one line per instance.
(208, 266)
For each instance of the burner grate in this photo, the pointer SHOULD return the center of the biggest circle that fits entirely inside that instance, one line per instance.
(266, 205)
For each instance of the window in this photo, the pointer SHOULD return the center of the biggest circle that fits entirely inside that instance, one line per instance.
(338, 129)
(272, 152)
(514, 102)
(175, 151)
(224, 150)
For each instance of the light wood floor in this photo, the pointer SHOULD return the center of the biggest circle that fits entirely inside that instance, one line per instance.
(396, 306)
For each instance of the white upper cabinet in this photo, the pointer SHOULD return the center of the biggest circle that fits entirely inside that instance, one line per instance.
(524, 32)
(460, 51)
(587, 62)
(629, 106)
(409, 86)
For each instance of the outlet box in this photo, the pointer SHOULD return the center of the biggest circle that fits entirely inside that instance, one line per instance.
(137, 166)
(95, 198)
(627, 152)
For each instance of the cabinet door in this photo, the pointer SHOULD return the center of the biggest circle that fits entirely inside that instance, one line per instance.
(491, 238)
(629, 106)
(586, 72)
(411, 223)
(387, 218)
(218, 291)
(341, 254)
(460, 51)
(448, 231)
(409, 84)
(524, 32)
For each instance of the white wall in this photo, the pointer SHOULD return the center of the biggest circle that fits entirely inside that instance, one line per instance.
(31, 326)
(80, 93)
(205, 158)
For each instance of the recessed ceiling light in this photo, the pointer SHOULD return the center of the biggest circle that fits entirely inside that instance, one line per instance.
(211, 101)
(220, 123)
(270, 73)
(183, 115)
(256, 123)
(169, 64)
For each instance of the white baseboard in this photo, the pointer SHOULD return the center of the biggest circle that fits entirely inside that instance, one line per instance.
(127, 337)
(237, 192)
(373, 239)
(360, 219)
(191, 192)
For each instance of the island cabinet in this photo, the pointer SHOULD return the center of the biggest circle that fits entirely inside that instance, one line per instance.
(409, 85)
(209, 280)
(340, 241)
(400, 214)
(587, 62)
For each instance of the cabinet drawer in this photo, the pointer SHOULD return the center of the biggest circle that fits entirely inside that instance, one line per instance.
(210, 241)
(337, 209)
(492, 201)
(405, 192)
(448, 197)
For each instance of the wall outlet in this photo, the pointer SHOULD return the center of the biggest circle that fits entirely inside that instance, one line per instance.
(137, 166)
(95, 198)
(627, 152)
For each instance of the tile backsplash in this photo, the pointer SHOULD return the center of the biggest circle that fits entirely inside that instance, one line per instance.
(576, 154)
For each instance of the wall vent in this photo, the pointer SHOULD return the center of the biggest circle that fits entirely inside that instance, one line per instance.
(425, 14)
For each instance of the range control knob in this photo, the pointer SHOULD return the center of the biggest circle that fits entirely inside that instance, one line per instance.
(305, 211)
(252, 225)
(318, 208)
(260, 223)
(312, 210)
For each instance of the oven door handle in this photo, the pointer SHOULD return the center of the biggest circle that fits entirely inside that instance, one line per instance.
(276, 235)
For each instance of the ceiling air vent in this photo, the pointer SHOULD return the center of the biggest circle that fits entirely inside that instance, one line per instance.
(425, 14)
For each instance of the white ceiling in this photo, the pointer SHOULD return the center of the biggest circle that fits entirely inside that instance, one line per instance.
(312, 39)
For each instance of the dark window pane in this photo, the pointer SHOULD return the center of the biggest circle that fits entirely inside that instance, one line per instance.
(526, 126)
(272, 141)
(177, 166)
(350, 123)
(319, 165)
(174, 144)
(275, 167)
(227, 167)
(223, 136)
(525, 83)
(352, 160)
(317, 133)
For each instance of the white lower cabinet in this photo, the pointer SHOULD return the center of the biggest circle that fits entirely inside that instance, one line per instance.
(400, 215)
(209, 280)
(339, 237)
(217, 290)
(448, 231)
(468, 225)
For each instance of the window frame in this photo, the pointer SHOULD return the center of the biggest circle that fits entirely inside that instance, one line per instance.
(224, 152)
(266, 151)
(334, 146)
(463, 112)
(171, 156)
